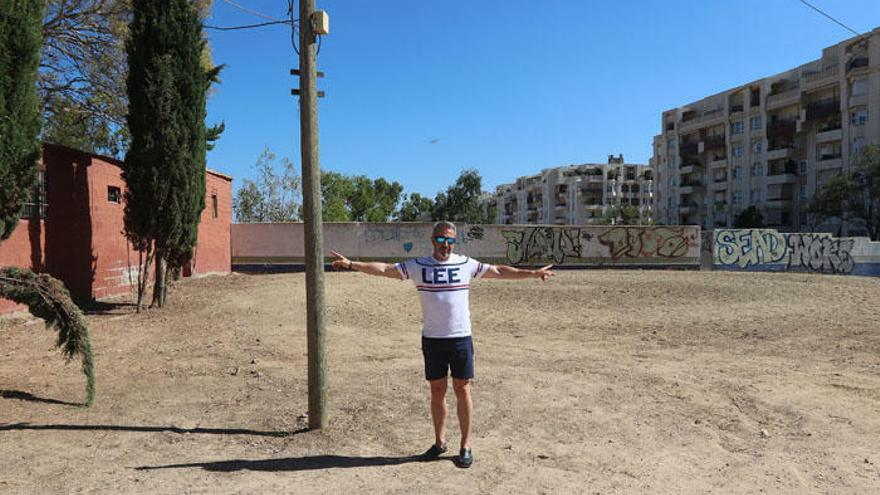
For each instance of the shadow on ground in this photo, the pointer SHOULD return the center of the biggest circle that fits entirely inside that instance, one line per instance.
(19, 395)
(150, 429)
(293, 463)
(106, 307)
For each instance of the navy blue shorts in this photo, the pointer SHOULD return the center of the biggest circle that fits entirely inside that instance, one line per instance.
(441, 355)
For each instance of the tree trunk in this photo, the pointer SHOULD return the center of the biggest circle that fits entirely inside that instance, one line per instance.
(145, 260)
(159, 285)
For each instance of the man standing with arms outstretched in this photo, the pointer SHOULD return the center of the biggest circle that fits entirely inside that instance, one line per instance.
(443, 281)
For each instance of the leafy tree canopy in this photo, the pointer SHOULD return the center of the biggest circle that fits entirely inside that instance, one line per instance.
(83, 69)
(275, 195)
(415, 208)
(461, 201)
(19, 107)
(750, 218)
(854, 196)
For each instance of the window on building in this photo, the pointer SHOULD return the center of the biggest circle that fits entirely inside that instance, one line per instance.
(803, 167)
(859, 117)
(736, 150)
(859, 87)
(214, 205)
(736, 127)
(38, 207)
(804, 191)
(828, 151)
(114, 194)
(857, 144)
(670, 144)
(757, 147)
(737, 172)
(755, 123)
(757, 169)
(737, 198)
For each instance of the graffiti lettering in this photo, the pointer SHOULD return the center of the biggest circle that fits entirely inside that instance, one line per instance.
(749, 247)
(475, 233)
(540, 244)
(645, 242)
(384, 233)
(817, 253)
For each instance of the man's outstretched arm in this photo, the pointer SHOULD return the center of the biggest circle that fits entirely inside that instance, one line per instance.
(511, 273)
(340, 262)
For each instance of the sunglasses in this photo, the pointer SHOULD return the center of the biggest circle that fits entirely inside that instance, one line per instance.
(447, 240)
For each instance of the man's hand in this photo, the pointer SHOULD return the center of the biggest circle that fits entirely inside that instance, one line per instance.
(340, 262)
(545, 273)
(511, 273)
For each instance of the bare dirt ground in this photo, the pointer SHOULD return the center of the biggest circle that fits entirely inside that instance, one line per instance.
(596, 382)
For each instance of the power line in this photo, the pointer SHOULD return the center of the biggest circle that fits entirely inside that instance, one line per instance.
(247, 26)
(250, 11)
(844, 26)
(291, 13)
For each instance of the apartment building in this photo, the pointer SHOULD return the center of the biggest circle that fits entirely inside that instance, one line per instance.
(770, 143)
(575, 194)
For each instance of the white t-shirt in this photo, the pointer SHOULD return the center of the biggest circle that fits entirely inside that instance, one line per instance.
(443, 291)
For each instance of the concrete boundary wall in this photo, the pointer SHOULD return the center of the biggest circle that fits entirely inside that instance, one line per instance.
(770, 250)
(278, 245)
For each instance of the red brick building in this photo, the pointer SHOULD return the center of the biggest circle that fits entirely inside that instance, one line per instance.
(74, 228)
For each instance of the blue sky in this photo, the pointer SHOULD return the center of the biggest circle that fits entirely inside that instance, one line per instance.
(505, 87)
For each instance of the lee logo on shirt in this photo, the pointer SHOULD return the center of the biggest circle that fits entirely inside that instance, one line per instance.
(440, 275)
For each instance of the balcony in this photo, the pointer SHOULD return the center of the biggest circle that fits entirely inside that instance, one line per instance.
(777, 128)
(708, 118)
(829, 163)
(813, 79)
(784, 98)
(857, 63)
(779, 153)
(722, 163)
(713, 142)
(830, 135)
(823, 108)
(688, 148)
(782, 178)
(689, 168)
(780, 200)
(687, 207)
(734, 109)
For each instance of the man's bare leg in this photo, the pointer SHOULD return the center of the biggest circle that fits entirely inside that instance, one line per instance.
(439, 409)
(464, 407)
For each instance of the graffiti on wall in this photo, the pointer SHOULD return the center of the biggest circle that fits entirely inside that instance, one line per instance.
(820, 253)
(393, 232)
(748, 247)
(645, 242)
(823, 254)
(541, 244)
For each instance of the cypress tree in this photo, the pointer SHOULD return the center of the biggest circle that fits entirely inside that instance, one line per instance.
(20, 121)
(165, 165)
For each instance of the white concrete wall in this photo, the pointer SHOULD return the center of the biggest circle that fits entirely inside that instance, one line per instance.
(514, 244)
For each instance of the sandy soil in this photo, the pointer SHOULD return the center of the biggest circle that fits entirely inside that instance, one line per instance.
(597, 382)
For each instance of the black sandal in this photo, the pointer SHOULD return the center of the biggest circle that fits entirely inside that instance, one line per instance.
(465, 458)
(434, 452)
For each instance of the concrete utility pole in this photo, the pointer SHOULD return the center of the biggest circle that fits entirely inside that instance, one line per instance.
(314, 231)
